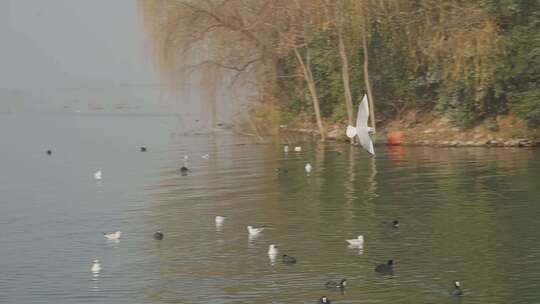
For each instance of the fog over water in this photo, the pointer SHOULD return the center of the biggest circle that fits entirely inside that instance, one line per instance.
(85, 56)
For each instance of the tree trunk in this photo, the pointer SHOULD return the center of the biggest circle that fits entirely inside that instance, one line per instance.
(346, 82)
(308, 76)
(366, 77)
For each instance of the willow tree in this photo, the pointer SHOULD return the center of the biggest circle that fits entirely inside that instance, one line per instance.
(454, 42)
(211, 36)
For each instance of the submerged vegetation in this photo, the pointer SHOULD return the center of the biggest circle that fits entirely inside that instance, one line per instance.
(467, 60)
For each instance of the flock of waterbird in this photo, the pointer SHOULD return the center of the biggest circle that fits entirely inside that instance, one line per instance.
(253, 232)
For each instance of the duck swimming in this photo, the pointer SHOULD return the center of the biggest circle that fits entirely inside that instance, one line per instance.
(49, 152)
(282, 171)
(287, 259)
(395, 224)
(184, 170)
(333, 284)
(143, 149)
(387, 268)
(457, 290)
(324, 300)
(158, 235)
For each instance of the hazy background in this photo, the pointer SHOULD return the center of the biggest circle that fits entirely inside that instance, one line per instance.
(76, 55)
(72, 73)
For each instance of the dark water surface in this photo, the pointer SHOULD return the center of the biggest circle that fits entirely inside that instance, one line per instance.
(467, 214)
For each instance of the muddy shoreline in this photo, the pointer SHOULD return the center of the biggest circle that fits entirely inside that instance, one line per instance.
(338, 134)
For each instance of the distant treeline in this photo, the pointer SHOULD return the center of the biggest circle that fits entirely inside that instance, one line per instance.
(470, 60)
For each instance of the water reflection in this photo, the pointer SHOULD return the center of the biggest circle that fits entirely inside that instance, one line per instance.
(96, 269)
(358, 249)
(449, 203)
(372, 182)
(467, 215)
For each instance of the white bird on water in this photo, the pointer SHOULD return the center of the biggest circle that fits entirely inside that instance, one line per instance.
(298, 149)
(254, 231)
(96, 267)
(358, 242)
(308, 168)
(113, 236)
(220, 220)
(362, 130)
(97, 175)
(272, 252)
(206, 156)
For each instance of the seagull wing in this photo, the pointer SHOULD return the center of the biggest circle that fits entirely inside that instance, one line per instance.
(361, 119)
(362, 129)
(365, 141)
(363, 113)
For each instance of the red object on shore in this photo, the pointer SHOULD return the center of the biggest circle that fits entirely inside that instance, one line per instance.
(395, 138)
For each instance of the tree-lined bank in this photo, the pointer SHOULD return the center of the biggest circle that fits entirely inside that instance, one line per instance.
(472, 63)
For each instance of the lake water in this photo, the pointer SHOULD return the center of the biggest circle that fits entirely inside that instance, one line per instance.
(466, 214)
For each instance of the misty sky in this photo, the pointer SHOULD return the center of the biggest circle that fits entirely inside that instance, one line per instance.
(59, 43)
(49, 46)
(88, 55)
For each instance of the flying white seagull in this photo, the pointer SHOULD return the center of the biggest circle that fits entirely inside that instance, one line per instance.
(362, 129)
